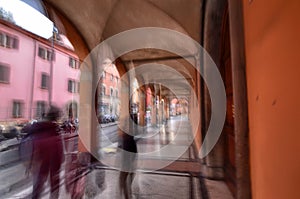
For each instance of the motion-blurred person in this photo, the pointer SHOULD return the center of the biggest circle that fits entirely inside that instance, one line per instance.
(129, 153)
(47, 155)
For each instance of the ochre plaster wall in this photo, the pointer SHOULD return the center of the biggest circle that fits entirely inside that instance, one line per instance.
(272, 31)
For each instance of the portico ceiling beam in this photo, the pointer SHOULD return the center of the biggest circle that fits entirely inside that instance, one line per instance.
(159, 59)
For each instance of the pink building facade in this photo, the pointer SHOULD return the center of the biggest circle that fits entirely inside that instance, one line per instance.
(109, 88)
(26, 61)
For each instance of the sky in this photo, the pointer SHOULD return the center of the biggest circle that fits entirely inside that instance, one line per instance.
(28, 18)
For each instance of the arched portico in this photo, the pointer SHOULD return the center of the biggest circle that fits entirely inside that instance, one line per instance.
(255, 47)
(87, 30)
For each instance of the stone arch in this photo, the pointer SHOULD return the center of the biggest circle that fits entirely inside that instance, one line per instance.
(88, 35)
(71, 109)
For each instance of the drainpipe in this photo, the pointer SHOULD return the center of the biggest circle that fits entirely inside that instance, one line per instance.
(51, 69)
(32, 81)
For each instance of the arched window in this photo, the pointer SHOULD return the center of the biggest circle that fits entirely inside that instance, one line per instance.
(103, 90)
(111, 92)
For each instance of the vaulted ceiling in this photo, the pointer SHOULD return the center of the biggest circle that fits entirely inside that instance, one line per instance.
(97, 20)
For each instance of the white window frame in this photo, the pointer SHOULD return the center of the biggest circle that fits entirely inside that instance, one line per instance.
(17, 111)
(46, 87)
(9, 41)
(40, 108)
(73, 62)
(5, 77)
(73, 87)
(46, 53)
(103, 92)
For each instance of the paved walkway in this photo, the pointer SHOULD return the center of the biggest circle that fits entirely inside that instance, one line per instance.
(166, 168)
(160, 147)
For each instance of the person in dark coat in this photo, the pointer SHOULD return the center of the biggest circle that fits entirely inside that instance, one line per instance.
(129, 158)
(48, 154)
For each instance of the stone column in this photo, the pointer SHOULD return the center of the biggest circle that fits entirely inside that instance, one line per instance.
(212, 40)
(142, 105)
(167, 108)
(236, 25)
(86, 144)
(196, 103)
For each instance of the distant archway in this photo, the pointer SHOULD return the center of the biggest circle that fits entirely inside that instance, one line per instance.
(72, 110)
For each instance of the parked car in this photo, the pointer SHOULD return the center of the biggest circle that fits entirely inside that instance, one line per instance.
(104, 119)
(15, 129)
(2, 129)
(10, 131)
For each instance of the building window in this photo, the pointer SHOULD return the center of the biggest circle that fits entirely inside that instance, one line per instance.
(117, 94)
(46, 54)
(103, 90)
(73, 109)
(103, 75)
(111, 78)
(8, 41)
(45, 81)
(73, 63)
(73, 86)
(111, 92)
(4, 74)
(40, 109)
(17, 109)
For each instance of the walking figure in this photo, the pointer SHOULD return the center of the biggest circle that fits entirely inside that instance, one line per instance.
(128, 155)
(47, 154)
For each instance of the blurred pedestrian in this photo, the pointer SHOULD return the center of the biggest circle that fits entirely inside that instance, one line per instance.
(48, 154)
(128, 155)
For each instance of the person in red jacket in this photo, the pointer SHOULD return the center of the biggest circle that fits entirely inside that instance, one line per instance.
(47, 155)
